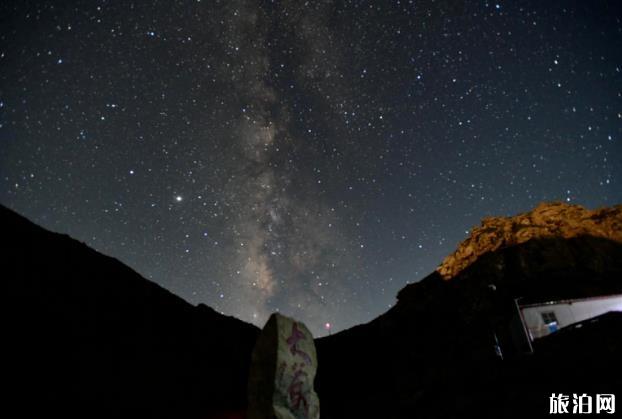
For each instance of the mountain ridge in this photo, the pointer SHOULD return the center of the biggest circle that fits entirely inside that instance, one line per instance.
(90, 329)
(547, 220)
(90, 337)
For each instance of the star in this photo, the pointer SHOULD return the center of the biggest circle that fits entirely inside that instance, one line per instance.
(329, 145)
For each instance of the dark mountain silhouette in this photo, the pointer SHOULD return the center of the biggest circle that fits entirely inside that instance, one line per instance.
(433, 354)
(89, 337)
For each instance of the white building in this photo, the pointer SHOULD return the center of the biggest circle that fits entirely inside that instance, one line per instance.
(541, 319)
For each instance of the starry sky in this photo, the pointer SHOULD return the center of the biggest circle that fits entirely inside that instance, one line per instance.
(307, 157)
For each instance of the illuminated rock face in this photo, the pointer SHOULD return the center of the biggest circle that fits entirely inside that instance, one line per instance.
(283, 370)
(547, 220)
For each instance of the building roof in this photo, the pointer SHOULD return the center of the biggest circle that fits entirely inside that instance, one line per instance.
(564, 301)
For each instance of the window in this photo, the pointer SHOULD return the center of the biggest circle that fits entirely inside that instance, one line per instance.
(548, 317)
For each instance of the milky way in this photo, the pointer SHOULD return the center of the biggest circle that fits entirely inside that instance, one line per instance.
(310, 158)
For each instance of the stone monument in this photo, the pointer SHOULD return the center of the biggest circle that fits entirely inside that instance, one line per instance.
(283, 367)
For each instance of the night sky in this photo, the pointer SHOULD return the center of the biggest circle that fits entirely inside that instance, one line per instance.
(306, 157)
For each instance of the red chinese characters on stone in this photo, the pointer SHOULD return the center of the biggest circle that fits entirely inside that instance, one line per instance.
(297, 391)
(293, 340)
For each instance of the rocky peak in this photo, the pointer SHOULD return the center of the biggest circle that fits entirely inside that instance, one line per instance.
(547, 220)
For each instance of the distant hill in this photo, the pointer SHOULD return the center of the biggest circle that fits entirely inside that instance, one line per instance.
(89, 337)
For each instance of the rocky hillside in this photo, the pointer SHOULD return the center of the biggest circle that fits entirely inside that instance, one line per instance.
(547, 220)
(88, 337)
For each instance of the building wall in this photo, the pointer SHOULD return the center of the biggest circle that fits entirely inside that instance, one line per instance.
(567, 313)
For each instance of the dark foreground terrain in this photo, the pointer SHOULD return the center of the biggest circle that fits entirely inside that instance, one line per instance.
(88, 337)
(433, 356)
